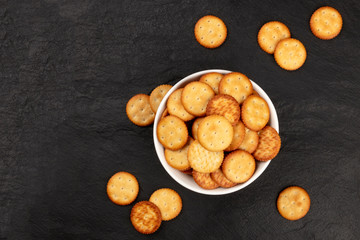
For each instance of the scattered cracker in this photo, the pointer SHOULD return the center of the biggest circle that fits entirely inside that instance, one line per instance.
(270, 34)
(212, 79)
(293, 203)
(204, 180)
(139, 111)
(145, 217)
(269, 144)
(178, 158)
(239, 134)
(172, 132)
(210, 31)
(122, 188)
(326, 23)
(202, 160)
(215, 133)
(157, 95)
(236, 85)
(250, 141)
(290, 54)
(195, 127)
(168, 201)
(219, 177)
(176, 108)
(255, 113)
(195, 98)
(226, 106)
(239, 166)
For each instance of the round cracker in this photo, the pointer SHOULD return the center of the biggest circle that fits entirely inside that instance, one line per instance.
(122, 188)
(195, 127)
(236, 85)
(204, 180)
(226, 106)
(172, 132)
(139, 111)
(326, 23)
(202, 160)
(212, 79)
(215, 133)
(210, 31)
(290, 54)
(293, 203)
(239, 166)
(269, 144)
(250, 141)
(238, 137)
(219, 177)
(255, 113)
(168, 201)
(178, 158)
(195, 97)
(157, 95)
(176, 108)
(145, 216)
(270, 34)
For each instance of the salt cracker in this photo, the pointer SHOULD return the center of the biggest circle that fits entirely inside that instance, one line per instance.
(255, 113)
(239, 166)
(290, 54)
(210, 31)
(293, 203)
(269, 144)
(195, 127)
(224, 105)
(178, 158)
(215, 133)
(250, 141)
(122, 188)
(202, 160)
(326, 23)
(238, 137)
(168, 201)
(172, 132)
(219, 177)
(204, 180)
(212, 79)
(236, 85)
(270, 34)
(145, 216)
(157, 95)
(176, 108)
(195, 97)
(139, 111)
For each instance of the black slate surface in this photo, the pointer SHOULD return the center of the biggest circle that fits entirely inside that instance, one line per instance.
(67, 69)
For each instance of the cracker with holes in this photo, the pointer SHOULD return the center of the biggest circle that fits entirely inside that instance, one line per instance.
(270, 34)
(172, 132)
(250, 141)
(255, 113)
(290, 54)
(293, 203)
(226, 106)
(122, 188)
(219, 177)
(178, 158)
(326, 23)
(157, 95)
(212, 79)
(215, 133)
(195, 98)
(236, 85)
(239, 166)
(139, 111)
(176, 108)
(204, 180)
(145, 216)
(168, 201)
(210, 31)
(202, 160)
(195, 127)
(238, 137)
(269, 144)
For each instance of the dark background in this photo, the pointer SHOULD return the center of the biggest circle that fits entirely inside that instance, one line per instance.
(68, 68)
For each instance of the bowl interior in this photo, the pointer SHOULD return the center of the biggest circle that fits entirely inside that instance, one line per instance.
(186, 180)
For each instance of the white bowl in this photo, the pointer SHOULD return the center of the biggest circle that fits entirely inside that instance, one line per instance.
(186, 180)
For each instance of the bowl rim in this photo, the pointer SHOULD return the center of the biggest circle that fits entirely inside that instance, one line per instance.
(174, 173)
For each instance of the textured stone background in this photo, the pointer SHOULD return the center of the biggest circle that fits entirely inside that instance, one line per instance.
(67, 69)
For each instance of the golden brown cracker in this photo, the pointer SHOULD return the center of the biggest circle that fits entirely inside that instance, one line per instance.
(255, 113)
(195, 127)
(168, 201)
(139, 111)
(326, 23)
(157, 95)
(195, 97)
(238, 137)
(202, 160)
(210, 31)
(290, 54)
(175, 106)
(236, 85)
(270, 34)
(122, 188)
(219, 177)
(178, 158)
(269, 144)
(165, 113)
(172, 132)
(226, 106)
(293, 203)
(250, 141)
(239, 166)
(145, 216)
(204, 180)
(212, 79)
